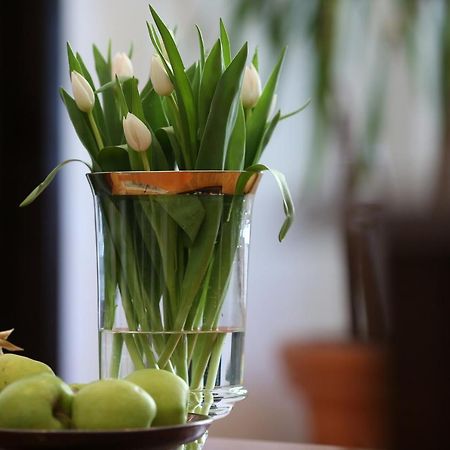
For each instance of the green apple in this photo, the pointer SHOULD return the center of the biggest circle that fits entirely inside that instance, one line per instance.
(40, 401)
(170, 392)
(76, 387)
(112, 404)
(13, 367)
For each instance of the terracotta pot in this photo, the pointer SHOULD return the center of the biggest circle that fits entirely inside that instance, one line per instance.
(344, 385)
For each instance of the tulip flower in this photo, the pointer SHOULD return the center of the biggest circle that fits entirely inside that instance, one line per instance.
(121, 66)
(82, 92)
(251, 87)
(138, 136)
(159, 78)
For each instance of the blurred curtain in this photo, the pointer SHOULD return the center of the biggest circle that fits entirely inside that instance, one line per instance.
(28, 137)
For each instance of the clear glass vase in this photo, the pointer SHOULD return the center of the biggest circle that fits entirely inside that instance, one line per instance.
(172, 251)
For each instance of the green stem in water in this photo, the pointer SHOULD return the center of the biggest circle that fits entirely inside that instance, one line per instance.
(214, 361)
(116, 356)
(202, 356)
(95, 130)
(133, 351)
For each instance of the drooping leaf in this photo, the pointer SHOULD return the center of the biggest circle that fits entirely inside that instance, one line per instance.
(257, 120)
(211, 152)
(288, 204)
(37, 191)
(236, 146)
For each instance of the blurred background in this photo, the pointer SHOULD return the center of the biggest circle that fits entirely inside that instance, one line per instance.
(375, 138)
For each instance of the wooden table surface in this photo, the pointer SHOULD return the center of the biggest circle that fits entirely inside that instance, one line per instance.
(245, 444)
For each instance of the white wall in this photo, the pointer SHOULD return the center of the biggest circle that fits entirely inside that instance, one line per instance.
(296, 289)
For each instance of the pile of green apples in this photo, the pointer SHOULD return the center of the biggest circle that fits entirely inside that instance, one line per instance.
(33, 397)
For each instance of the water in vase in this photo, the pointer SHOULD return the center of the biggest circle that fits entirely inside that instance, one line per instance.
(210, 361)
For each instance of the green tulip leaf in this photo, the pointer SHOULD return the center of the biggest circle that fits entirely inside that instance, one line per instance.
(183, 88)
(109, 86)
(270, 127)
(74, 65)
(121, 99)
(156, 41)
(293, 113)
(201, 45)
(81, 125)
(236, 146)
(114, 158)
(97, 111)
(186, 210)
(170, 145)
(211, 152)
(147, 89)
(38, 190)
(255, 59)
(210, 77)
(111, 113)
(153, 110)
(133, 98)
(256, 122)
(226, 47)
(157, 156)
(288, 204)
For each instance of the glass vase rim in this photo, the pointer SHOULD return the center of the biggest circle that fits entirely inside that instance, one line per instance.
(170, 182)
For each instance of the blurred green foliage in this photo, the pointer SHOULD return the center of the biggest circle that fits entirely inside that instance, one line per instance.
(321, 25)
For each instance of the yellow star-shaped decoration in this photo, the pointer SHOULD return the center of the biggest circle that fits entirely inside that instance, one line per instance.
(5, 344)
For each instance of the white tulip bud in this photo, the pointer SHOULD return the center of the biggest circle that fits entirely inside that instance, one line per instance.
(251, 87)
(137, 134)
(82, 92)
(121, 66)
(159, 78)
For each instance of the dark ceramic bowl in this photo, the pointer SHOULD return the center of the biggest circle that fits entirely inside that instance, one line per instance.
(157, 438)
